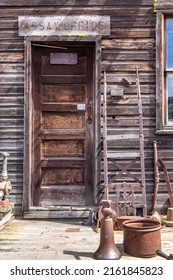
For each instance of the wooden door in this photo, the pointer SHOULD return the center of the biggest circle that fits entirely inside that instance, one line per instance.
(62, 121)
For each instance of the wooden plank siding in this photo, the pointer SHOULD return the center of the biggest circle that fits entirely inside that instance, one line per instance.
(131, 44)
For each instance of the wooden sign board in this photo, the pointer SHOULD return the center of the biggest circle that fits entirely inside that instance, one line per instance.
(64, 58)
(64, 25)
(113, 90)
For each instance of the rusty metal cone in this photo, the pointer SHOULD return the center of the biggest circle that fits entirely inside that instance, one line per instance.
(107, 249)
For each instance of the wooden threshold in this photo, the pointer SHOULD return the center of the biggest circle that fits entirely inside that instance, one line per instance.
(58, 212)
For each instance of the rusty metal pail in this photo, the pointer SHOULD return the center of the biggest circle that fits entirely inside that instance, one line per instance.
(142, 238)
(122, 219)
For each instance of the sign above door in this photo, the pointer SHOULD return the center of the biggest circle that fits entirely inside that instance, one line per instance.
(64, 25)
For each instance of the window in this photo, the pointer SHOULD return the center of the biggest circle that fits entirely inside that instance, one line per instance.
(164, 73)
(169, 70)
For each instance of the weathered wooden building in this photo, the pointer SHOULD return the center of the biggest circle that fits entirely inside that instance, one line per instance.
(52, 58)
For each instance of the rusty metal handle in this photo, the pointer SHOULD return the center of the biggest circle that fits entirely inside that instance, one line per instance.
(161, 254)
(167, 179)
(156, 176)
(89, 109)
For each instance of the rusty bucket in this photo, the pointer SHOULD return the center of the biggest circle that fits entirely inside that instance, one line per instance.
(122, 219)
(142, 238)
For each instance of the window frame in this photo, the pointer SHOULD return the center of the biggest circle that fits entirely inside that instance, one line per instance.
(162, 126)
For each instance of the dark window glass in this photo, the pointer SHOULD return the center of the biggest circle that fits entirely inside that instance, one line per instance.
(169, 45)
(170, 96)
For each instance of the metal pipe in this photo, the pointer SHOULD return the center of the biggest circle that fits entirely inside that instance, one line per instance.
(48, 46)
(4, 166)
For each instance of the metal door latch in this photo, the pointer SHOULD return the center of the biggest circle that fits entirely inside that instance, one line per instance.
(89, 110)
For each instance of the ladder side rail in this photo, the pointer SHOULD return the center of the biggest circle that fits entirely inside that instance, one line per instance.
(105, 138)
(141, 140)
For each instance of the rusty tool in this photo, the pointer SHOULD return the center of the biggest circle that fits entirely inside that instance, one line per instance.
(155, 215)
(156, 176)
(163, 255)
(158, 161)
(168, 184)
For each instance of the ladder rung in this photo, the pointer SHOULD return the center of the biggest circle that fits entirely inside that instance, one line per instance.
(122, 137)
(122, 155)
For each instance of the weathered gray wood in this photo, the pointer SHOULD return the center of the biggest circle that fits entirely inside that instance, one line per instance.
(74, 2)
(8, 23)
(166, 11)
(113, 10)
(126, 122)
(164, 5)
(14, 45)
(132, 33)
(11, 57)
(11, 113)
(66, 195)
(112, 78)
(112, 111)
(119, 22)
(126, 55)
(123, 67)
(132, 43)
(49, 213)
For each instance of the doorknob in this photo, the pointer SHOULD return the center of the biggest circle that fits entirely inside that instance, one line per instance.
(89, 111)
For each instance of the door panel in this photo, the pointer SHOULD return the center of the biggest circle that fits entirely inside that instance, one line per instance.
(72, 196)
(63, 148)
(62, 128)
(55, 120)
(69, 93)
(62, 176)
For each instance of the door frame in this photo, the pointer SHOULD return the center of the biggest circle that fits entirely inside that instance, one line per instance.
(28, 115)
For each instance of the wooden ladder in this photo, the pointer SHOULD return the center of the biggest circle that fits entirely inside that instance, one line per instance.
(124, 192)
